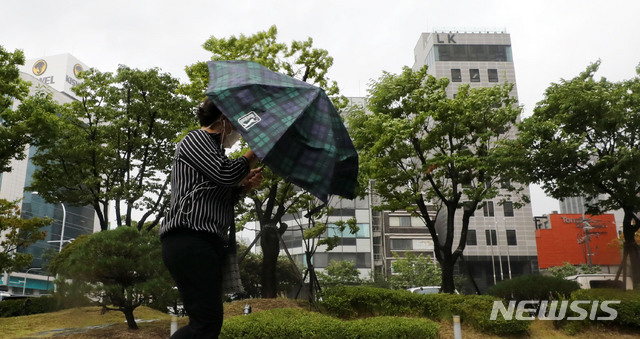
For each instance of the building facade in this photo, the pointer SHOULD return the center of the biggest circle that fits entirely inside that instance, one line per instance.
(55, 75)
(501, 241)
(570, 238)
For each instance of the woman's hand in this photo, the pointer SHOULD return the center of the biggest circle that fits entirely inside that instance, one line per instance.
(251, 181)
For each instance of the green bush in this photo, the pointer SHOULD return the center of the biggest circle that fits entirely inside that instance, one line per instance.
(291, 323)
(533, 287)
(26, 306)
(628, 309)
(357, 302)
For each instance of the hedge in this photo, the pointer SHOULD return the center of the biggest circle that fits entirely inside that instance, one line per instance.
(533, 287)
(17, 307)
(294, 323)
(628, 309)
(357, 302)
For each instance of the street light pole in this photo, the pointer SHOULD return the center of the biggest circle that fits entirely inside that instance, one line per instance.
(64, 218)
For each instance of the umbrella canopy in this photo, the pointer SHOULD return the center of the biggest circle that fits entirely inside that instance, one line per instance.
(291, 125)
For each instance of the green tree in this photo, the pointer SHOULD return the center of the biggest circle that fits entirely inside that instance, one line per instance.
(342, 272)
(11, 88)
(567, 269)
(422, 147)
(17, 233)
(316, 232)
(275, 198)
(120, 268)
(250, 268)
(414, 270)
(583, 139)
(112, 147)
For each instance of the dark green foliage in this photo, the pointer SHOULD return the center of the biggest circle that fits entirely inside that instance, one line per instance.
(26, 306)
(533, 287)
(628, 309)
(358, 302)
(290, 323)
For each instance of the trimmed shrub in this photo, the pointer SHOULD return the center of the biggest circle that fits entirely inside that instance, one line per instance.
(533, 287)
(628, 309)
(357, 302)
(293, 323)
(26, 306)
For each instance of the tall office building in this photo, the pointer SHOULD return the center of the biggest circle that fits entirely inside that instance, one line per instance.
(55, 75)
(501, 241)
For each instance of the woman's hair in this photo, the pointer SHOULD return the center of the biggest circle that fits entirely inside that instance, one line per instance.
(208, 113)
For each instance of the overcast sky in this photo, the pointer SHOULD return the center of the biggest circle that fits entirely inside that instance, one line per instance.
(551, 39)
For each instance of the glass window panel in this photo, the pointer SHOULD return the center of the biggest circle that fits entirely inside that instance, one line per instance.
(493, 75)
(511, 238)
(456, 75)
(474, 75)
(401, 244)
(491, 237)
(508, 209)
(487, 209)
(472, 239)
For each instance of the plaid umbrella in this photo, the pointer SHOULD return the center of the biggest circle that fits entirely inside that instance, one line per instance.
(292, 126)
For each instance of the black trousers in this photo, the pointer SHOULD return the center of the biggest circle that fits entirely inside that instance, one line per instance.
(195, 261)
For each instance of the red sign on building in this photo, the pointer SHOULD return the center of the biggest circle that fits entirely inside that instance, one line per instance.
(566, 237)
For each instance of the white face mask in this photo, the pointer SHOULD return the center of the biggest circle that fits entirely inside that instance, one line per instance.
(230, 138)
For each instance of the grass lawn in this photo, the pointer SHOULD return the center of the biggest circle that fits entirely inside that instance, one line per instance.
(156, 325)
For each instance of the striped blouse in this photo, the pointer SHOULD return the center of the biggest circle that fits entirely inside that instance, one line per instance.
(203, 185)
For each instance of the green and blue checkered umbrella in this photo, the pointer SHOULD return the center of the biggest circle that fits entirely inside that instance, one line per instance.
(291, 125)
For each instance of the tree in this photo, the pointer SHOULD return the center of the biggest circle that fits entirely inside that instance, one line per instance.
(583, 139)
(317, 233)
(250, 269)
(276, 197)
(421, 147)
(567, 269)
(120, 268)
(342, 272)
(414, 270)
(113, 147)
(17, 233)
(11, 88)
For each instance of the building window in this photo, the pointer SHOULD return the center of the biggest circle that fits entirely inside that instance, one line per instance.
(472, 239)
(511, 238)
(474, 74)
(404, 221)
(493, 75)
(508, 208)
(492, 237)
(454, 52)
(456, 75)
(487, 208)
(401, 244)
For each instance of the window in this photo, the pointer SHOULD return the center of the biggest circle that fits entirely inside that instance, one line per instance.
(401, 244)
(511, 238)
(492, 237)
(474, 74)
(493, 75)
(508, 208)
(487, 208)
(400, 221)
(459, 52)
(472, 239)
(456, 75)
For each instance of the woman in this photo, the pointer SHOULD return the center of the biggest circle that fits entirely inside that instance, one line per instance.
(205, 187)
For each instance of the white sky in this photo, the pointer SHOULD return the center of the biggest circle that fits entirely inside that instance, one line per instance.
(551, 39)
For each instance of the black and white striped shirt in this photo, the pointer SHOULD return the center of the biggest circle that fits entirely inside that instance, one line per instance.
(203, 185)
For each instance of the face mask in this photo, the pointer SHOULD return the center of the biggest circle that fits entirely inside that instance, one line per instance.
(231, 138)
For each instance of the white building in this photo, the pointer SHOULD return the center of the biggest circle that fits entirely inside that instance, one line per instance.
(55, 75)
(501, 240)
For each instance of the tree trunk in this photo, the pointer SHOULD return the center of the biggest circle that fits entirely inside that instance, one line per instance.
(131, 320)
(447, 265)
(629, 229)
(270, 243)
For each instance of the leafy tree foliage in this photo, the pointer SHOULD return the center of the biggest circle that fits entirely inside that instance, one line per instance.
(286, 274)
(583, 139)
(422, 147)
(113, 147)
(11, 88)
(342, 272)
(17, 233)
(567, 269)
(414, 270)
(275, 198)
(121, 269)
